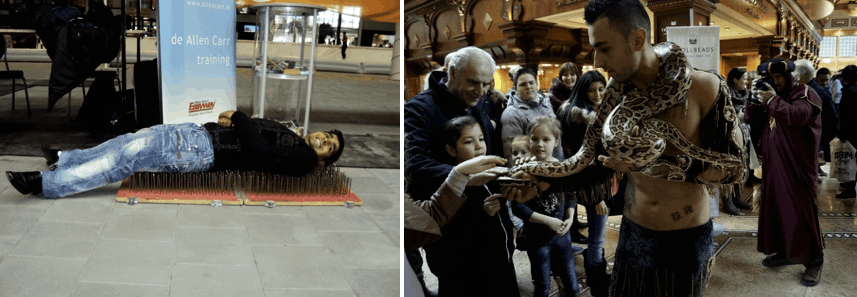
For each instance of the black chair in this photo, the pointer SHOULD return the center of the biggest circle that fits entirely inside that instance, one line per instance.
(13, 75)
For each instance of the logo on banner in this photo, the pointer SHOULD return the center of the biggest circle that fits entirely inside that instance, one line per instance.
(198, 106)
(692, 41)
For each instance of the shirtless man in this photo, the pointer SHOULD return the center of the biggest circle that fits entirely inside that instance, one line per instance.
(664, 246)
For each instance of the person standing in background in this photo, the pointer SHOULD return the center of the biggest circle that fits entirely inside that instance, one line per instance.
(825, 79)
(344, 44)
(848, 122)
(561, 86)
(789, 231)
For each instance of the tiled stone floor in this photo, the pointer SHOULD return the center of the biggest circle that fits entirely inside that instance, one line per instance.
(738, 269)
(90, 245)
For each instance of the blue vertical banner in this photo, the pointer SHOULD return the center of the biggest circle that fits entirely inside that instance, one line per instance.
(196, 57)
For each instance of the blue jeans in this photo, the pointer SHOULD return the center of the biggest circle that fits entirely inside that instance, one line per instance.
(556, 251)
(162, 148)
(595, 241)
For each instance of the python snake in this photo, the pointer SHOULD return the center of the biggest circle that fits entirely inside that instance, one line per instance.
(638, 109)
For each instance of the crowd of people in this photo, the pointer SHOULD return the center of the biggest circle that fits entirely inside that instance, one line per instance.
(778, 117)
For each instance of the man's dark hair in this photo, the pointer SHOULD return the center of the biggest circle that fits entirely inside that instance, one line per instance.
(823, 71)
(522, 72)
(849, 74)
(625, 16)
(338, 152)
(452, 128)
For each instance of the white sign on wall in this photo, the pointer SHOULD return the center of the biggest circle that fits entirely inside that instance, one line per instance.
(701, 45)
(196, 58)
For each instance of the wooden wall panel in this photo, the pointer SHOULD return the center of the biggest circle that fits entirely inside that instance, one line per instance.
(415, 34)
(493, 33)
(763, 13)
(743, 45)
(536, 9)
(447, 19)
(697, 18)
(666, 20)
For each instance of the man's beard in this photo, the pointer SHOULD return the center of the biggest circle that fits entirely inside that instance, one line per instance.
(787, 88)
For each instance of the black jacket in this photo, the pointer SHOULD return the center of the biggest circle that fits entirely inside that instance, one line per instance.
(848, 112)
(829, 118)
(427, 163)
(76, 42)
(260, 145)
(474, 256)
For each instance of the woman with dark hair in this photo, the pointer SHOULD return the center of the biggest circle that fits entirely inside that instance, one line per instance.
(737, 82)
(561, 86)
(575, 115)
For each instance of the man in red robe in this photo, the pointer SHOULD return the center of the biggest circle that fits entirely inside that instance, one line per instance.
(788, 211)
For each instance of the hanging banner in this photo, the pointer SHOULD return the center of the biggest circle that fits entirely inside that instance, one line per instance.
(701, 45)
(196, 59)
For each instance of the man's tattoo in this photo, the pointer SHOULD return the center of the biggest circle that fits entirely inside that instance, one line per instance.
(676, 216)
(687, 209)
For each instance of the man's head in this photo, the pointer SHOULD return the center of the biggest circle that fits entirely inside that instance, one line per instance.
(849, 74)
(618, 31)
(526, 84)
(470, 75)
(327, 145)
(823, 77)
(804, 71)
(779, 70)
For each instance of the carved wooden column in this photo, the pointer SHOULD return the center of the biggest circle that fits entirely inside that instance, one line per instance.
(526, 40)
(771, 47)
(583, 55)
(465, 38)
(516, 39)
(679, 13)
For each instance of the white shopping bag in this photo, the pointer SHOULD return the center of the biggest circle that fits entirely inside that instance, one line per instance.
(843, 166)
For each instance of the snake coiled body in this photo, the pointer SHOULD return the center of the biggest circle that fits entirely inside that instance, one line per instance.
(638, 109)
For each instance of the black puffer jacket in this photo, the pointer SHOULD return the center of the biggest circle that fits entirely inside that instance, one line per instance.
(76, 43)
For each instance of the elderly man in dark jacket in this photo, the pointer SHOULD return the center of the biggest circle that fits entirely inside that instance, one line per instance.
(462, 92)
(829, 119)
